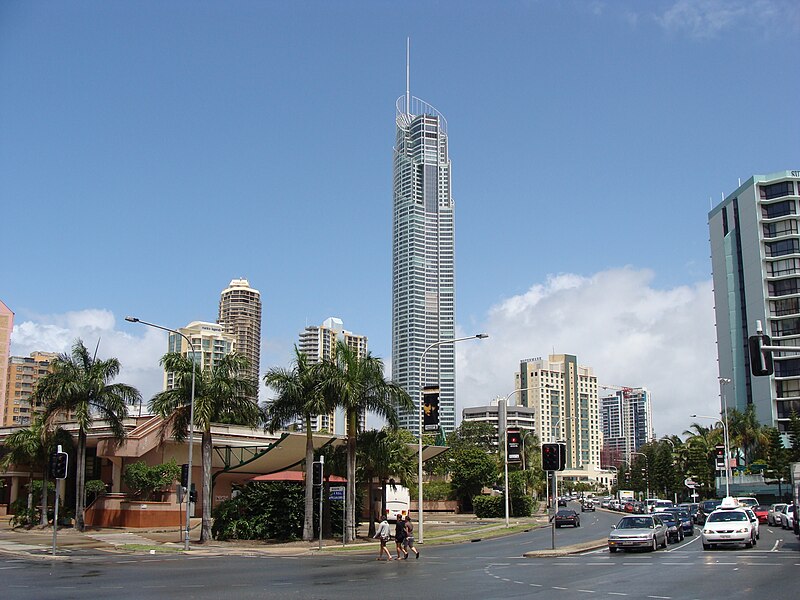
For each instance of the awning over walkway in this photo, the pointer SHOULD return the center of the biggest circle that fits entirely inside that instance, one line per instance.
(294, 476)
(286, 453)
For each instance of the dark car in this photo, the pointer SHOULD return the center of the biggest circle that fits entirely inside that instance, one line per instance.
(562, 501)
(691, 508)
(706, 508)
(673, 525)
(567, 516)
(685, 518)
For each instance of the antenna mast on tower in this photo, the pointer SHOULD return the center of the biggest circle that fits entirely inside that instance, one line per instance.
(408, 75)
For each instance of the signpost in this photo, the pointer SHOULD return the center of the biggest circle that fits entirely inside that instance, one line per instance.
(337, 493)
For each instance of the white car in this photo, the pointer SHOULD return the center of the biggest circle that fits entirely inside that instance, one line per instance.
(774, 514)
(786, 517)
(728, 527)
(754, 521)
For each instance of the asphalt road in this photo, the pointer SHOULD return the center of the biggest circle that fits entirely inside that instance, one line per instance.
(485, 569)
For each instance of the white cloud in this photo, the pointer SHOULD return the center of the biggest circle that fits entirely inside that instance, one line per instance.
(138, 355)
(629, 332)
(707, 18)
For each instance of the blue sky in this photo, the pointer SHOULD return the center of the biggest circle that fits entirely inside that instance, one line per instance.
(150, 152)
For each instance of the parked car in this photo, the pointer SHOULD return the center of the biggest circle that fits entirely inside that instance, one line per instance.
(787, 516)
(685, 519)
(773, 516)
(728, 525)
(674, 528)
(640, 531)
(567, 516)
(762, 511)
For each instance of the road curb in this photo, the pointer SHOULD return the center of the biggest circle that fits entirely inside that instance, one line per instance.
(567, 550)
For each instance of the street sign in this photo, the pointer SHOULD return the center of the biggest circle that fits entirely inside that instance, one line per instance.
(690, 483)
(336, 492)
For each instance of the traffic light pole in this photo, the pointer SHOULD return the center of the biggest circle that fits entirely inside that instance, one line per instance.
(55, 517)
(555, 510)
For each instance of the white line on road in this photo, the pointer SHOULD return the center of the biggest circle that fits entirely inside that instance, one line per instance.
(555, 587)
(617, 594)
(661, 597)
(587, 591)
(776, 546)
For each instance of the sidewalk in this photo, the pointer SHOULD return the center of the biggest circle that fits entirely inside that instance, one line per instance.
(438, 529)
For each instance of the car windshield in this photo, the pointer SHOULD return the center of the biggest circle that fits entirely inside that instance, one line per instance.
(667, 517)
(761, 508)
(710, 505)
(566, 513)
(727, 515)
(635, 523)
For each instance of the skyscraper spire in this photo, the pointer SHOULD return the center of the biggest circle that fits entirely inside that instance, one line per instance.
(408, 75)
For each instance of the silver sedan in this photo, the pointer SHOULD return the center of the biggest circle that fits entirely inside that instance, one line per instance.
(639, 531)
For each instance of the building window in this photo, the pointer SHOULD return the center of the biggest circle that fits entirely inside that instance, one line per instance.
(783, 247)
(779, 209)
(776, 190)
(784, 287)
(781, 228)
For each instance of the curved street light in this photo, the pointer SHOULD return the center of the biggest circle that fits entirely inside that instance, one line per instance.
(191, 420)
(479, 336)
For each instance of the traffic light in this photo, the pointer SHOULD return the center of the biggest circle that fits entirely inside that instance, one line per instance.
(193, 494)
(316, 473)
(185, 475)
(513, 441)
(760, 359)
(719, 456)
(59, 462)
(551, 458)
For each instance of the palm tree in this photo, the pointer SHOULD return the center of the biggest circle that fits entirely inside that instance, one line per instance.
(356, 383)
(79, 388)
(383, 456)
(222, 393)
(299, 397)
(746, 432)
(700, 441)
(24, 447)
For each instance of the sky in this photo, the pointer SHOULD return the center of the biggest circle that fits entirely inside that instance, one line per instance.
(150, 152)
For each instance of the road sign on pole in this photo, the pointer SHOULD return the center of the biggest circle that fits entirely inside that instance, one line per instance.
(336, 492)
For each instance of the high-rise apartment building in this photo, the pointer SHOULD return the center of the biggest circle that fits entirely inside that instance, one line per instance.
(24, 373)
(755, 257)
(240, 316)
(6, 327)
(519, 417)
(563, 395)
(318, 343)
(210, 341)
(627, 422)
(423, 259)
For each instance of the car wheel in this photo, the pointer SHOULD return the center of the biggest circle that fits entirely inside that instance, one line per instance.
(612, 550)
(655, 545)
(706, 546)
(749, 544)
(664, 543)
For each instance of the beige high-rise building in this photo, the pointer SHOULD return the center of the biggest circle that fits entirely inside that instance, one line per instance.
(209, 340)
(318, 343)
(6, 326)
(23, 374)
(240, 316)
(563, 395)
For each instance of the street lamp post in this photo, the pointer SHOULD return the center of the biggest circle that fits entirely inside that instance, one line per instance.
(505, 446)
(647, 468)
(479, 336)
(191, 421)
(727, 450)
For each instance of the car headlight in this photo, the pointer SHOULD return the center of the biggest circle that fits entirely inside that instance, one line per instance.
(707, 531)
(743, 530)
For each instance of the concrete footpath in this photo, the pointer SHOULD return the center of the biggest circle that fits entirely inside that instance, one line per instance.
(438, 529)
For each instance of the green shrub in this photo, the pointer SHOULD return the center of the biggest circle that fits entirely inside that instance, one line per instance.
(143, 481)
(264, 510)
(521, 506)
(488, 507)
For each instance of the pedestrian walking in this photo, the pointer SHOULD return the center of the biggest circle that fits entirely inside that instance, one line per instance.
(409, 541)
(400, 536)
(382, 534)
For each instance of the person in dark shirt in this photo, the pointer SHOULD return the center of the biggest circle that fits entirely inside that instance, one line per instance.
(400, 536)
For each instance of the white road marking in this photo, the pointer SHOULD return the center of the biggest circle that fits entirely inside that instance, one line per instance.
(587, 591)
(555, 587)
(776, 546)
(616, 593)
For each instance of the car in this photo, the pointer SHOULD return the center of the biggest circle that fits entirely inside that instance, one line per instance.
(747, 501)
(773, 516)
(639, 531)
(729, 525)
(706, 508)
(588, 505)
(754, 520)
(686, 520)
(762, 512)
(673, 524)
(787, 516)
(691, 508)
(562, 501)
(567, 516)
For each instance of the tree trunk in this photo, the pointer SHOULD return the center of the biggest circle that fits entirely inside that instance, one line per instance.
(308, 521)
(80, 477)
(371, 496)
(205, 529)
(43, 519)
(352, 430)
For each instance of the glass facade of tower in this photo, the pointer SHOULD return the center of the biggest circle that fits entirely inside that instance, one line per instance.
(423, 259)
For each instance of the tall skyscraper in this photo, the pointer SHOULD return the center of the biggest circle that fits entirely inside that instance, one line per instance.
(627, 421)
(423, 259)
(240, 316)
(318, 343)
(6, 326)
(24, 373)
(209, 340)
(563, 395)
(755, 258)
